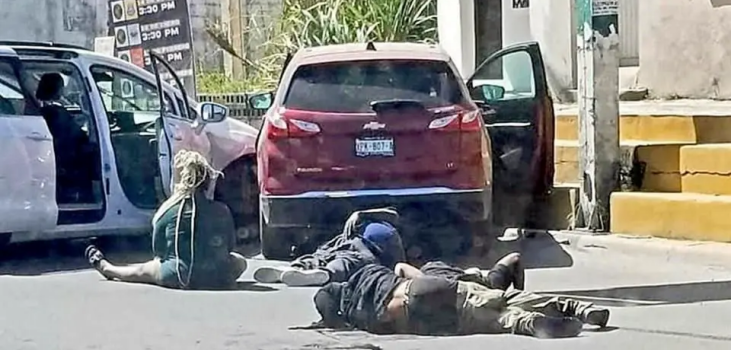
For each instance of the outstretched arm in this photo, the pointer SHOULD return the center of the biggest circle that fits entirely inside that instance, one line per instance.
(407, 271)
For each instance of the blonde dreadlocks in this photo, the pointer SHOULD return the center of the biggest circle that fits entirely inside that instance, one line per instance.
(194, 170)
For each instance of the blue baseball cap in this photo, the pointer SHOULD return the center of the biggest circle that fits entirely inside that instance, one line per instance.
(379, 233)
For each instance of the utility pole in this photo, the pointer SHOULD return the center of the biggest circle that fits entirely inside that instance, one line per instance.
(598, 95)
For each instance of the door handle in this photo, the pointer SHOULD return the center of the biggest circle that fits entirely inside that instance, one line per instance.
(36, 136)
(177, 137)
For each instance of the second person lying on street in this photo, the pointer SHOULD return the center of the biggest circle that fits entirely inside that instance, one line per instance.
(192, 238)
(369, 236)
(377, 300)
(508, 271)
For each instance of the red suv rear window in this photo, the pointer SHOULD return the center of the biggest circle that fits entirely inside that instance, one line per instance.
(349, 87)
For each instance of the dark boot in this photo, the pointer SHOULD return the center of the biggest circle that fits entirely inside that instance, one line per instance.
(586, 312)
(556, 327)
(595, 316)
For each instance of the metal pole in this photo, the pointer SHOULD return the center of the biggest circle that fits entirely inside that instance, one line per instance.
(598, 94)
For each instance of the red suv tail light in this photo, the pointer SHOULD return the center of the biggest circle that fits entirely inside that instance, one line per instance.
(282, 125)
(463, 121)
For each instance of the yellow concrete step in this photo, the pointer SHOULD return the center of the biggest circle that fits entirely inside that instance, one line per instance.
(660, 161)
(706, 169)
(637, 127)
(690, 121)
(689, 216)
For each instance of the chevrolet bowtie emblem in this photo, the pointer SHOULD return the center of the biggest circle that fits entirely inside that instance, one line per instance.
(374, 126)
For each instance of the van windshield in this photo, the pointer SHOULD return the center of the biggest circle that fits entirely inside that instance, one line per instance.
(349, 87)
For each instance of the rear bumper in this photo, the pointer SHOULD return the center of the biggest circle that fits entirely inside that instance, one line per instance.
(328, 209)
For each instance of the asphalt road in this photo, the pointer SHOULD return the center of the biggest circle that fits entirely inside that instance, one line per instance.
(53, 302)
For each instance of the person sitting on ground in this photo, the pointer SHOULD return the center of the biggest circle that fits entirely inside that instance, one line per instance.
(508, 271)
(369, 236)
(377, 300)
(192, 238)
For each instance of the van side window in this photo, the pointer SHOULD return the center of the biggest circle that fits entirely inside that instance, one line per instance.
(192, 114)
(12, 100)
(127, 98)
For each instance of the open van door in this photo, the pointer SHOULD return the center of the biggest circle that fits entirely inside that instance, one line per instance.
(511, 87)
(27, 160)
(167, 134)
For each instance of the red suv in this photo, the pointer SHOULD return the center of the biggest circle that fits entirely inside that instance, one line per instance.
(358, 126)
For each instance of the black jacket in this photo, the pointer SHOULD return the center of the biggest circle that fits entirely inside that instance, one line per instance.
(360, 302)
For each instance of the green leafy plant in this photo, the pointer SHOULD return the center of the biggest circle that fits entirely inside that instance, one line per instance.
(307, 23)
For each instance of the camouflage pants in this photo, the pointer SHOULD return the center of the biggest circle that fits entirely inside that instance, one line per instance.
(491, 311)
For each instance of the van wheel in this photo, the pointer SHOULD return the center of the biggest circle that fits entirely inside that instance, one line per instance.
(276, 243)
(238, 189)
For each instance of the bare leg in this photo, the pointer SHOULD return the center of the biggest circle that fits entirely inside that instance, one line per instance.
(147, 272)
(238, 265)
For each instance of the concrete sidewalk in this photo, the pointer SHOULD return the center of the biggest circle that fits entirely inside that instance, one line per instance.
(661, 107)
(704, 253)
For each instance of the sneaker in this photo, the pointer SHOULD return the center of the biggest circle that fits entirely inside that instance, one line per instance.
(596, 316)
(557, 327)
(269, 274)
(305, 278)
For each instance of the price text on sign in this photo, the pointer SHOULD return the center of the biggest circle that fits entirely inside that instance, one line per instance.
(605, 7)
(159, 34)
(156, 8)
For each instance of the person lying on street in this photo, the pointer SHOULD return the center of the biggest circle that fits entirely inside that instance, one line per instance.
(508, 271)
(377, 300)
(369, 236)
(193, 237)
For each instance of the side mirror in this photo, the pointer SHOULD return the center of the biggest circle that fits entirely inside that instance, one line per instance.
(261, 101)
(488, 92)
(213, 112)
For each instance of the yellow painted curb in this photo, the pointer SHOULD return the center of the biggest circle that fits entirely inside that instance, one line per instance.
(672, 215)
(640, 128)
(706, 169)
(662, 165)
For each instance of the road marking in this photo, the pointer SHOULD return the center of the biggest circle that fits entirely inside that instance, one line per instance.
(678, 334)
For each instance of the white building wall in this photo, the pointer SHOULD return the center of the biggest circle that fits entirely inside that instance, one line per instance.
(549, 22)
(456, 25)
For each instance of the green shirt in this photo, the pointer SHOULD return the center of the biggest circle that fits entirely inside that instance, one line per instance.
(164, 235)
(213, 239)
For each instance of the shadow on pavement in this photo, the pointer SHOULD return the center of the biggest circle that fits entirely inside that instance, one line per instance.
(538, 251)
(681, 293)
(38, 258)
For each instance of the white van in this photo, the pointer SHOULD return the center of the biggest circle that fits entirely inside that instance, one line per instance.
(86, 148)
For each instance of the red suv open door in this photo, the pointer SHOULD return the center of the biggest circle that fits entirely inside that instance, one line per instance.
(519, 116)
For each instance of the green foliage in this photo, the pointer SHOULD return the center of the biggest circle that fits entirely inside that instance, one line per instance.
(307, 23)
(218, 83)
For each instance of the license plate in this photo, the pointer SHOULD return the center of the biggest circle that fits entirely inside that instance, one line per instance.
(374, 147)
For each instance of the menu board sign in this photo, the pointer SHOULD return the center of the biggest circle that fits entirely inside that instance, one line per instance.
(161, 26)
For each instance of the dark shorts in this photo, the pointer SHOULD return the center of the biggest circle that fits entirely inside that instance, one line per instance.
(172, 272)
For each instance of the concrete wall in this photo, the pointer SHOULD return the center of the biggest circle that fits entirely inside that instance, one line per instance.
(68, 21)
(456, 25)
(202, 12)
(551, 24)
(685, 48)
